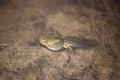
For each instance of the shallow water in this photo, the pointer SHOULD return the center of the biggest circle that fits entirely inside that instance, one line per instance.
(23, 22)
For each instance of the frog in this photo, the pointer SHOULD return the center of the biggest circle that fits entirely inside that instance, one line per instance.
(56, 42)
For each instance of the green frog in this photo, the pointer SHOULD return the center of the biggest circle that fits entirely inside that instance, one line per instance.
(56, 42)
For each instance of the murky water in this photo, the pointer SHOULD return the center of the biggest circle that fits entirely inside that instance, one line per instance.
(22, 22)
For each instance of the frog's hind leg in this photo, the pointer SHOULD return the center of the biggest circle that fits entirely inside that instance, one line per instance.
(68, 48)
(69, 51)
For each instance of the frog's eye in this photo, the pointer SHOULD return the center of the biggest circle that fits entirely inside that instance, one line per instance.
(45, 40)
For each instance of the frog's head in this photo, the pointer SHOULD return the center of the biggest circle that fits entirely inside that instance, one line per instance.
(48, 40)
(44, 40)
